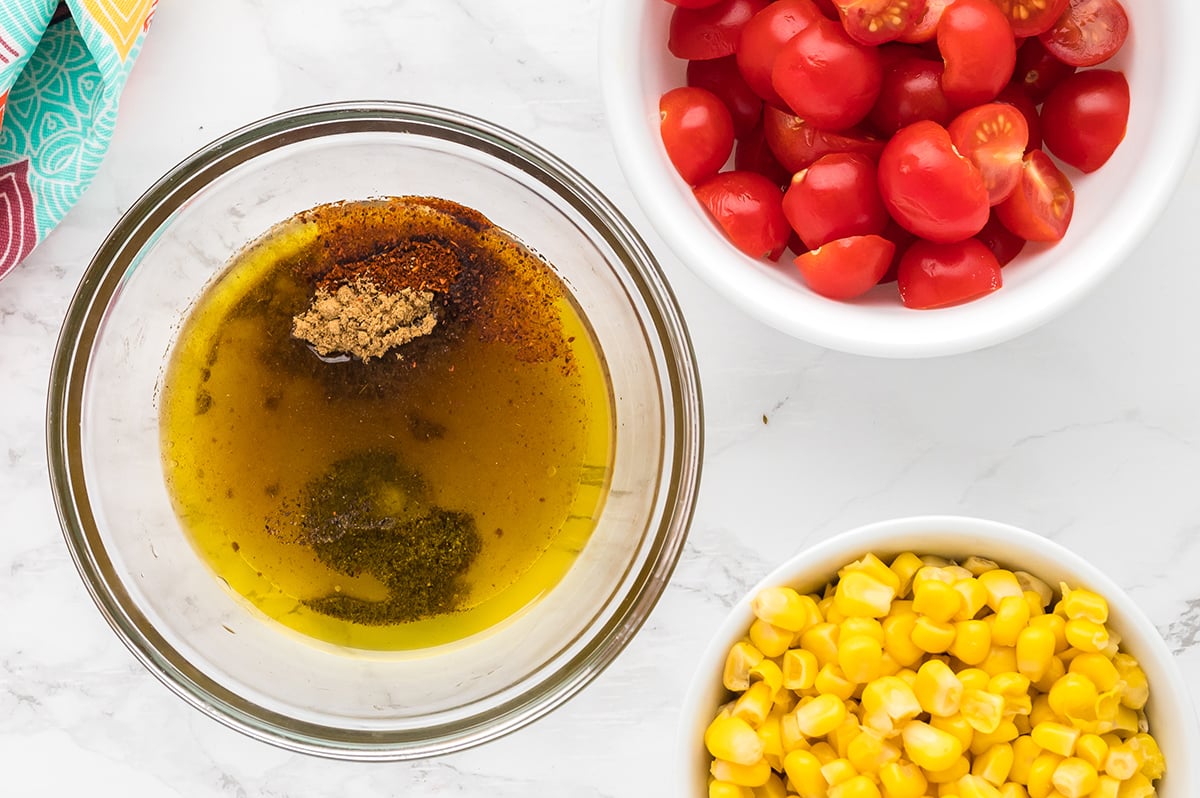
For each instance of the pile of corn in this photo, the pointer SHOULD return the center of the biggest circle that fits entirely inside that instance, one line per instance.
(930, 678)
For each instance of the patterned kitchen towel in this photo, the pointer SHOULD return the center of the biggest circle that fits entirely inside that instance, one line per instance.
(62, 68)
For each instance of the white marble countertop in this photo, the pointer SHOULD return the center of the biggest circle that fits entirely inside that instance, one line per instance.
(1086, 430)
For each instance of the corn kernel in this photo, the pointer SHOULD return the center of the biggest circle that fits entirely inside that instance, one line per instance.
(799, 669)
(972, 786)
(855, 787)
(973, 598)
(772, 789)
(1013, 790)
(949, 775)
(1006, 732)
(902, 779)
(1086, 635)
(1010, 619)
(785, 608)
(932, 573)
(1098, 668)
(1146, 747)
(754, 775)
(1057, 626)
(1138, 786)
(821, 715)
(972, 642)
(958, 572)
(891, 696)
(978, 565)
(770, 639)
(1058, 738)
(822, 640)
(905, 566)
(790, 736)
(930, 748)
(860, 657)
(938, 689)
(870, 751)
(1041, 711)
(831, 681)
(999, 584)
(933, 637)
(1041, 774)
(1073, 696)
(994, 764)
(827, 610)
(753, 705)
(1036, 605)
(1009, 684)
(769, 672)
(1030, 583)
(1025, 751)
(1085, 604)
(1054, 671)
(733, 739)
(1092, 749)
(742, 656)
(803, 771)
(874, 567)
(824, 752)
(837, 771)
(770, 735)
(956, 725)
(1137, 689)
(937, 600)
(897, 639)
(1075, 778)
(861, 626)
(974, 678)
(1000, 659)
(862, 594)
(1106, 787)
(983, 710)
(727, 789)
(841, 737)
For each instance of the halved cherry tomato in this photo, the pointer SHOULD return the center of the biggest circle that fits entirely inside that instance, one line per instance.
(1031, 17)
(1004, 243)
(977, 44)
(749, 209)
(797, 144)
(924, 29)
(722, 77)
(878, 21)
(848, 267)
(692, 3)
(911, 92)
(1041, 207)
(930, 188)
(836, 197)
(933, 275)
(993, 137)
(1084, 118)
(711, 31)
(826, 77)
(1038, 71)
(1015, 96)
(752, 153)
(763, 37)
(1088, 33)
(697, 132)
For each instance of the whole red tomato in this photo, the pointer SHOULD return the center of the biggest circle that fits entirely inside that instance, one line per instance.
(933, 275)
(836, 197)
(847, 267)
(1084, 118)
(697, 132)
(763, 37)
(977, 44)
(826, 77)
(710, 31)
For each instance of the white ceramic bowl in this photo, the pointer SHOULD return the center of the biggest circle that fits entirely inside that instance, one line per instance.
(1115, 206)
(1171, 713)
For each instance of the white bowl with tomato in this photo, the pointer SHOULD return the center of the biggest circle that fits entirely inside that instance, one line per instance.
(902, 178)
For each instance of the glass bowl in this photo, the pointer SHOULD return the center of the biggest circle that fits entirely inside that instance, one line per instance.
(212, 647)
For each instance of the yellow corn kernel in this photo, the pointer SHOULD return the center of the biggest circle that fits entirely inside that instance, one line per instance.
(753, 705)
(972, 786)
(1106, 787)
(1138, 786)
(1086, 635)
(1057, 738)
(770, 734)
(999, 584)
(1041, 711)
(727, 789)
(1153, 765)
(1006, 732)
(956, 725)
(874, 567)
(1136, 692)
(859, 593)
(1057, 625)
(949, 790)
(837, 771)
(1013, 790)
(949, 775)
(1025, 751)
(832, 682)
(1012, 616)
(821, 715)
(754, 775)
(1085, 604)
(902, 779)
(1098, 668)
(983, 710)
(1041, 774)
(823, 751)
(769, 672)
(799, 669)
(978, 565)
(974, 678)
(1000, 659)
(972, 642)
(822, 640)
(1126, 720)
(932, 637)
(994, 764)
(937, 688)
(784, 607)
(1009, 684)
(937, 600)
(772, 789)
(897, 639)
(973, 597)
(785, 701)
(841, 737)
(855, 787)
(803, 771)
(734, 740)
(860, 657)
(1035, 649)
(905, 566)
(1030, 583)
(1092, 749)
(1108, 709)
(790, 736)
(958, 572)
(1075, 778)
(861, 626)
(1036, 605)
(932, 573)
(1073, 696)
(888, 665)
(829, 612)
(870, 751)
(770, 639)
(741, 657)
(890, 696)
(930, 748)
(1054, 672)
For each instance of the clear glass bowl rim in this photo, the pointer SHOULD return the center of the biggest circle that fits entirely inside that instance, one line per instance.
(102, 279)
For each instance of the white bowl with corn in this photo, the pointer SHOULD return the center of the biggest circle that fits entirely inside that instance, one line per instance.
(938, 656)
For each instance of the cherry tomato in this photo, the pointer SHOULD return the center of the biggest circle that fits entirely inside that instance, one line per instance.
(749, 209)
(1015, 96)
(711, 31)
(993, 137)
(878, 21)
(797, 144)
(763, 37)
(1088, 33)
(977, 44)
(722, 77)
(933, 275)
(1041, 207)
(848, 267)
(1038, 70)
(924, 28)
(1084, 119)
(752, 153)
(697, 132)
(692, 3)
(836, 197)
(930, 188)
(1031, 17)
(911, 92)
(1004, 243)
(826, 77)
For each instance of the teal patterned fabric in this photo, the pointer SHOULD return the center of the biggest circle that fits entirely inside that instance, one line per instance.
(61, 76)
